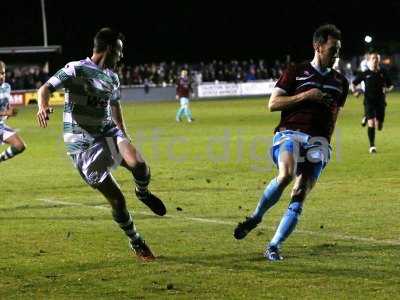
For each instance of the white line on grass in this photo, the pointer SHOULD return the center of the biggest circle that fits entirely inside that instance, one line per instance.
(204, 220)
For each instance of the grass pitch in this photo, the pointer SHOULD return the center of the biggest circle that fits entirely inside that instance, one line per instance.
(58, 240)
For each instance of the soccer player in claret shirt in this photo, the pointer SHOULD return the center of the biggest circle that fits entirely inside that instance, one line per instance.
(8, 135)
(377, 84)
(183, 91)
(309, 97)
(95, 134)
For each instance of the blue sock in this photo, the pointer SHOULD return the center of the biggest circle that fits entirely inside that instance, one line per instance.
(271, 195)
(179, 113)
(287, 224)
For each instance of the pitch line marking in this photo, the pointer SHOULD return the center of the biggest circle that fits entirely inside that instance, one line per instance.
(213, 221)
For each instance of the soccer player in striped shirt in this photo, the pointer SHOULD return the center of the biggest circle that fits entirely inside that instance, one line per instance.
(95, 133)
(8, 135)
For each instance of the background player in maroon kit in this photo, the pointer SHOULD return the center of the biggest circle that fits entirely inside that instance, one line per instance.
(183, 91)
(309, 96)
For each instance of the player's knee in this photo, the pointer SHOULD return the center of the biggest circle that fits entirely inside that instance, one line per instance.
(133, 161)
(285, 178)
(130, 163)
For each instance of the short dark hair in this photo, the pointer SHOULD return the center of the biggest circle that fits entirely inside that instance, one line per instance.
(372, 51)
(322, 33)
(106, 37)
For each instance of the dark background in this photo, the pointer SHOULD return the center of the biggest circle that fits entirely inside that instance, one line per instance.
(192, 31)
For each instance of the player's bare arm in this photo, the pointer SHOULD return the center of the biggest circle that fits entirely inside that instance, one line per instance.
(116, 112)
(280, 101)
(43, 105)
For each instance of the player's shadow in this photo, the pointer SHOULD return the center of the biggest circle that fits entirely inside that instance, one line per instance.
(354, 251)
(198, 189)
(252, 261)
(339, 261)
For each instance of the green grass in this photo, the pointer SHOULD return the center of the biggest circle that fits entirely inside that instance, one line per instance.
(346, 246)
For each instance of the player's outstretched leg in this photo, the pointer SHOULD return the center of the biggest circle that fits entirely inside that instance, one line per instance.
(134, 162)
(141, 176)
(17, 146)
(271, 195)
(111, 191)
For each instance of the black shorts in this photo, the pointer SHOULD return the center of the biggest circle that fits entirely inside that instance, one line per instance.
(373, 110)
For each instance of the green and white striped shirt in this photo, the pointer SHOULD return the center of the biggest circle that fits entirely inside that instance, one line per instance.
(5, 95)
(89, 94)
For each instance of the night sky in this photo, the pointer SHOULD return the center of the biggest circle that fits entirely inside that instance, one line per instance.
(190, 31)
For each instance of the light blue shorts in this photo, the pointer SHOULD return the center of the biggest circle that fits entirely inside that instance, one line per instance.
(184, 101)
(312, 154)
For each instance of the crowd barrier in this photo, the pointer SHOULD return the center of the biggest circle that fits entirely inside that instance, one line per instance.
(26, 97)
(243, 89)
(159, 93)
